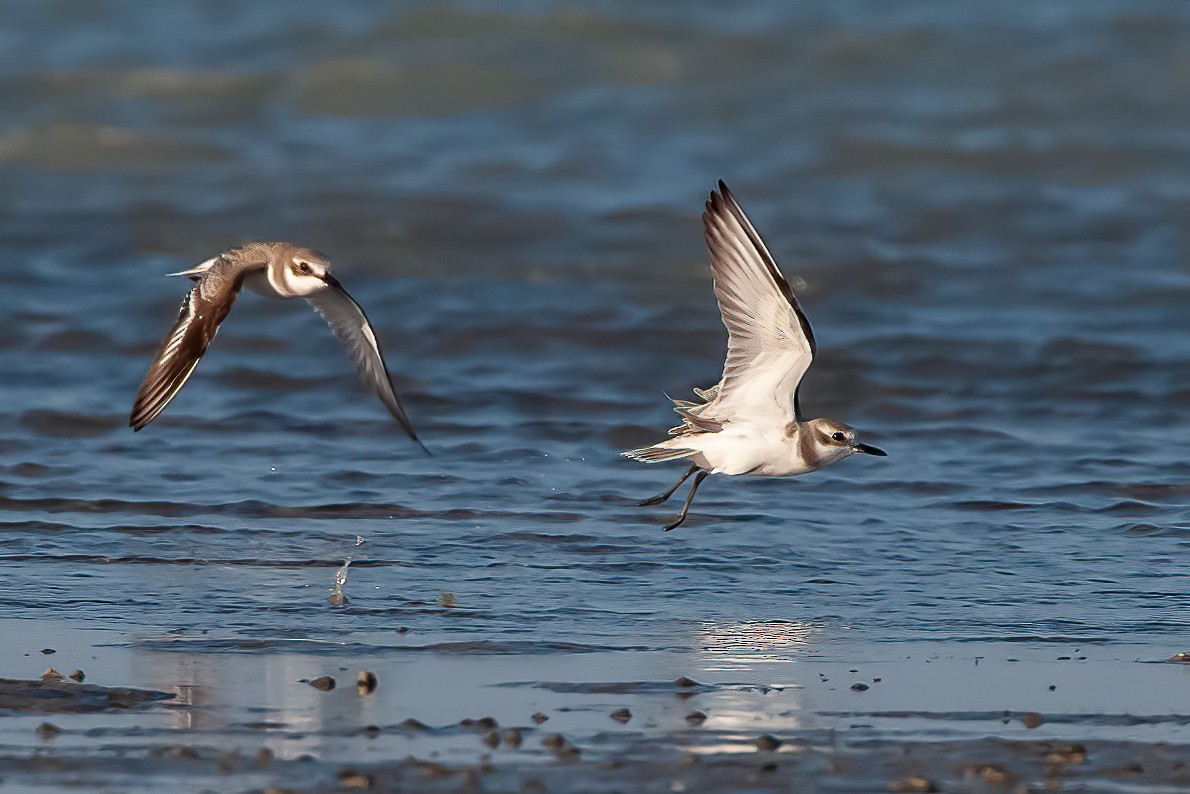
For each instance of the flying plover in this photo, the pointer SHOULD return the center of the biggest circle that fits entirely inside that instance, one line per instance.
(278, 270)
(750, 422)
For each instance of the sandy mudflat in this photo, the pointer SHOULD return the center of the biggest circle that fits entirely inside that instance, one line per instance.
(763, 710)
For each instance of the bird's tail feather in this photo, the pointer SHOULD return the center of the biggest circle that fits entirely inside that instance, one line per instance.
(658, 454)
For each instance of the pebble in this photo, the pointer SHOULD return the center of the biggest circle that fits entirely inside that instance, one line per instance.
(349, 778)
(1032, 720)
(1179, 658)
(366, 682)
(414, 724)
(859, 687)
(51, 674)
(767, 742)
(48, 651)
(264, 757)
(553, 740)
(78, 675)
(621, 715)
(685, 683)
(915, 783)
(372, 731)
(323, 683)
(491, 739)
(539, 718)
(447, 600)
(47, 730)
(696, 718)
(1067, 753)
(513, 738)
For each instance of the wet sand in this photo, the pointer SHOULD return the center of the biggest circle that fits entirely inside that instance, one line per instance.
(756, 707)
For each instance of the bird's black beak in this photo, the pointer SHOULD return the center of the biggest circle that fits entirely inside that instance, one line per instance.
(331, 281)
(869, 450)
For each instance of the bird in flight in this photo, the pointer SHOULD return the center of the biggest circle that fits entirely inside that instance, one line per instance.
(278, 270)
(750, 422)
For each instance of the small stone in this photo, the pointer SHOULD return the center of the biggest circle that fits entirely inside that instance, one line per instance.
(1032, 720)
(539, 718)
(1064, 753)
(1179, 658)
(553, 740)
(857, 687)
(914, 783)
(51, 674)
(337, 598)
(568, 754)
(47, 730)
(611, 763)
(767, 742)
(371, 731)
(770, 766)
(323, 683)
(685, 683)
(513, 738)
(402, 629)
(264, 757)
(491, 739)
(366, 682)
(997, 775)
(696, 718)
(413, 724)
(183, 753)
(621, 715)
(447, 600)
(433, 769)
(1053, 688)
(226, 762)
(349, 778)
(48, 651)
(78, 675)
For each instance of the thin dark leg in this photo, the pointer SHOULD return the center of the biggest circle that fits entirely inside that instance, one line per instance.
(698, 478)
(659, 498)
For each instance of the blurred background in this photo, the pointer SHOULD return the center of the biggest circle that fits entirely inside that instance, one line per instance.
(986, 205)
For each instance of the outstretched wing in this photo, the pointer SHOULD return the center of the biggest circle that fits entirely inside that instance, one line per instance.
(216, 285)
(769, 342)
(351, 327)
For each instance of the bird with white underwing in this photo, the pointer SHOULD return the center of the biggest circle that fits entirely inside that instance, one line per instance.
(750, 423)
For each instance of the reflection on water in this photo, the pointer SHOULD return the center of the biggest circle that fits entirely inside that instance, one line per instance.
(740, 645)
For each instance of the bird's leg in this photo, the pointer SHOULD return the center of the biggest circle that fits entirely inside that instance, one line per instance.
(698, 478)
(659, 498)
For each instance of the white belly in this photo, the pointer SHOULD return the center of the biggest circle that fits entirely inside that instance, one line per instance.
(745, 450)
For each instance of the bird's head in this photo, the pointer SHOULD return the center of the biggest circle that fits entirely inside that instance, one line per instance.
(303, 271)
(834, 440)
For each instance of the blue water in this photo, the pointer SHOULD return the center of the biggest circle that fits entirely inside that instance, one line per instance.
(986, 204)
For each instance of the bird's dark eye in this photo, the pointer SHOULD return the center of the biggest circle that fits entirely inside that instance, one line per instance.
(839, 437)
(303, 268)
